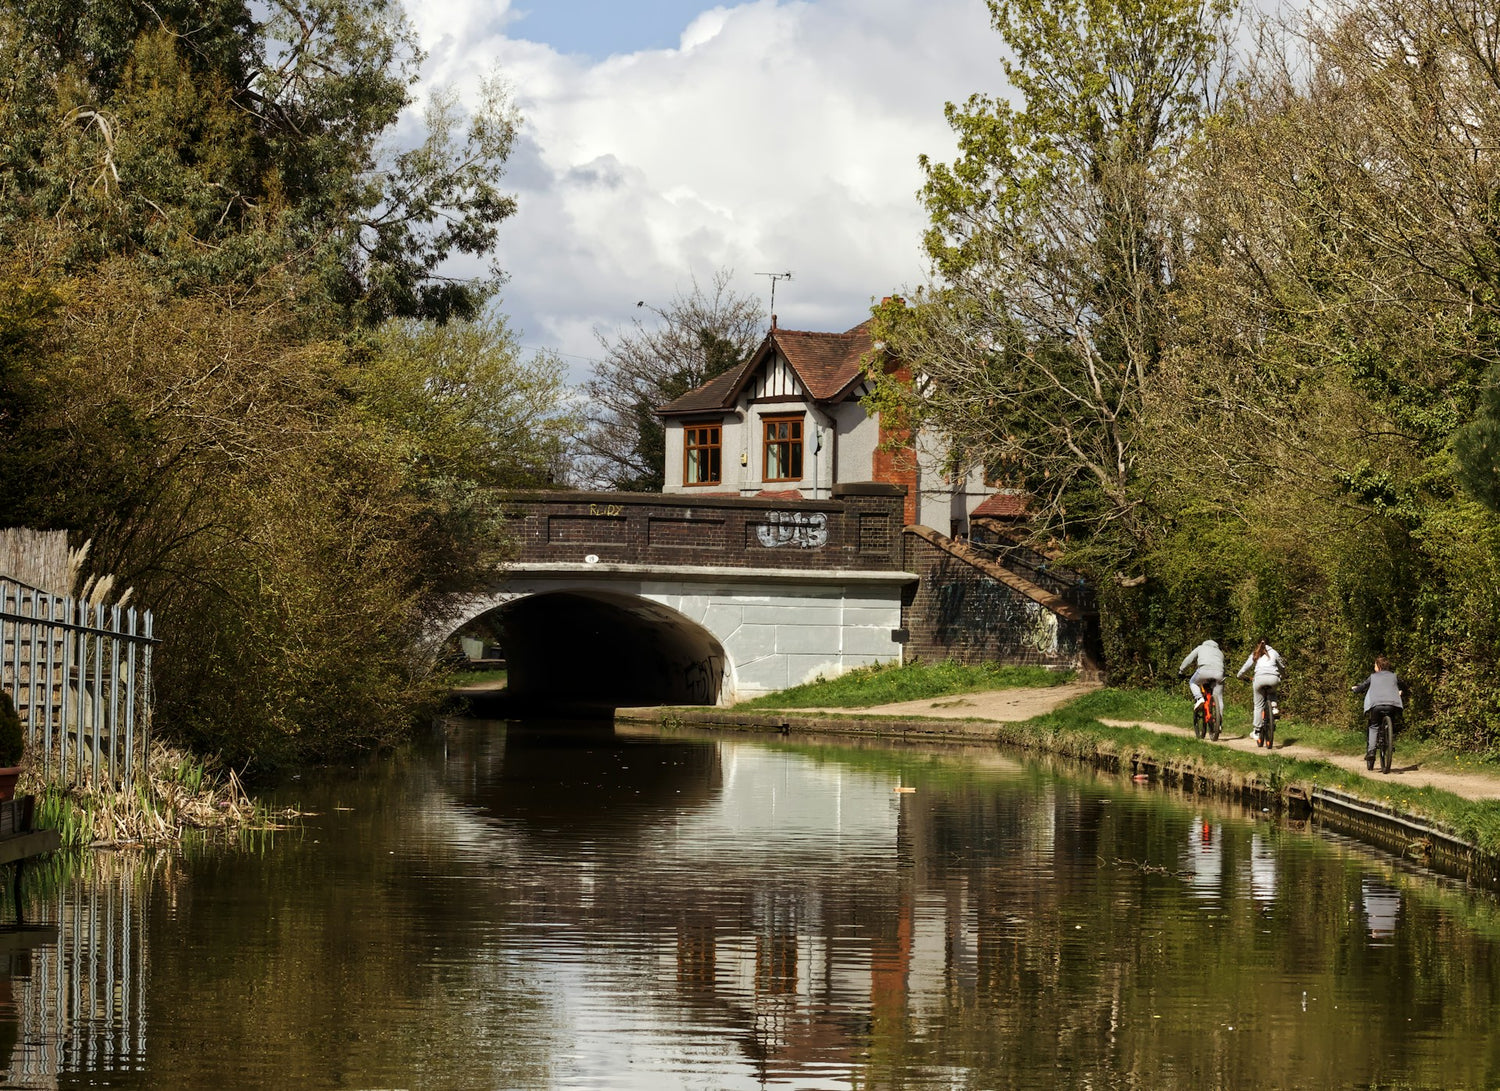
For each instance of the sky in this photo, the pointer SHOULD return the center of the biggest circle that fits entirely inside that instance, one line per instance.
(664, 140)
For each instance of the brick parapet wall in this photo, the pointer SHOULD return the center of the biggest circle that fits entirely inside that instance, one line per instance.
(860, 529)
(958, 612)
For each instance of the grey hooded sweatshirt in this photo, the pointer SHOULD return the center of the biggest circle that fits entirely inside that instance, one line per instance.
(1381, 688)
(1206, 661)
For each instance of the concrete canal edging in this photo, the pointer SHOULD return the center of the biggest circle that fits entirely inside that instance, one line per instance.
(1409, 835)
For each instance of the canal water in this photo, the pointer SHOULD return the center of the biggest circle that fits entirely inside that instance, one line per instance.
(547, 906)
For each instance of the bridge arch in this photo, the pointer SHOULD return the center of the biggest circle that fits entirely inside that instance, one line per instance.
(600, 648)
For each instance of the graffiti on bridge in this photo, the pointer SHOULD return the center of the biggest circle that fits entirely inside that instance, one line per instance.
(701, 678)
(805, 530)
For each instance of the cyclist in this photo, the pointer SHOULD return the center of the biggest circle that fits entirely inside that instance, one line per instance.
(1382, 692)
(1207, 664)
(1267, 663)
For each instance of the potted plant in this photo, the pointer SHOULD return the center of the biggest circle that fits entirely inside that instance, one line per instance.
(12, 746)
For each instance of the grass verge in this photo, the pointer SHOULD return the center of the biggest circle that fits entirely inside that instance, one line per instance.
(889, 683)
(1075, 730)
(478, 678)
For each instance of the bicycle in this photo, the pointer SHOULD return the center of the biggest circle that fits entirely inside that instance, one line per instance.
(1269, 712)
(1205, 717)
(1385, 741)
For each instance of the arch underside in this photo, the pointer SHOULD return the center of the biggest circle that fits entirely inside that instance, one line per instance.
(602, 649)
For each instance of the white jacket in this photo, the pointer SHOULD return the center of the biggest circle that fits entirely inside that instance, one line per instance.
(1267, 668)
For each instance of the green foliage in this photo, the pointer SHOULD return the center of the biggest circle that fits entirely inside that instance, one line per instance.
(1476, 448)
(215, 149)
(231, 355)
(888, 683)
(1054, 250)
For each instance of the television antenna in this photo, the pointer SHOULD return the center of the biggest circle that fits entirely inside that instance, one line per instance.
(774, 278)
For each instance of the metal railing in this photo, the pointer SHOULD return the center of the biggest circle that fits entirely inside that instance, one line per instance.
(80, 676)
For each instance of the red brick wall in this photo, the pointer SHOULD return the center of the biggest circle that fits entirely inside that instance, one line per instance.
(895, 462)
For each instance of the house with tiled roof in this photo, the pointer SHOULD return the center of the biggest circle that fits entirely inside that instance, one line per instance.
(789, 422)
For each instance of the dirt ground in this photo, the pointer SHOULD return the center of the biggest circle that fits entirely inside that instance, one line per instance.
(1014, 705)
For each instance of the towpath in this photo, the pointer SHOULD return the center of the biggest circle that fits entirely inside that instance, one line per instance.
(1015, 705)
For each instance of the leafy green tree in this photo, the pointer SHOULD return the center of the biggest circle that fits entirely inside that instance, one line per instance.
(1333, 320)
(230, 354)
(698, 336)
(1052, 240)
(216, 148)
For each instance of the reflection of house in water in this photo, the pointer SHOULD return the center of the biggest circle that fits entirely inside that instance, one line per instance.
(822, 929)
(1382, 904)
(1262, 870)
(78, 987)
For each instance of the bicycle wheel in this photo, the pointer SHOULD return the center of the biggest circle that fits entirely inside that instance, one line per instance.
(1387, 743)
(1198, 726)
(1268, 726)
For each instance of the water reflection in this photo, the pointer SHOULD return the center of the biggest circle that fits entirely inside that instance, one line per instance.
(580, 778)
(1205, 859)
(569, 908)
(72, 992)
(1382, 905)
(1262, 870)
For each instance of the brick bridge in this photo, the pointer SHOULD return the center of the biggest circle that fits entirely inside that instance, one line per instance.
(621, 599)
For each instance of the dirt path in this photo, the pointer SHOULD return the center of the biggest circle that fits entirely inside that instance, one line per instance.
(1006, 706)
(1014, 705)
(1467, 785)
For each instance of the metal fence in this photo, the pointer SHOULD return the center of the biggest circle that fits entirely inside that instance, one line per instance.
(80, 676)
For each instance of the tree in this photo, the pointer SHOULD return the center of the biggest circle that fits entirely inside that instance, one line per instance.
(1333, 322)
(701, 335)
(1053, 238)
(214, 149)
(231, 357)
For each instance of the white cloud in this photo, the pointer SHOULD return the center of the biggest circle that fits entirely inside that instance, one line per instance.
(775, 136)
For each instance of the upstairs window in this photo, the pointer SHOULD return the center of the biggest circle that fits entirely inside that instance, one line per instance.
(783, 448)
(702, 454)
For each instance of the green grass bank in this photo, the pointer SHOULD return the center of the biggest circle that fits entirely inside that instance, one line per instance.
(1077, 730)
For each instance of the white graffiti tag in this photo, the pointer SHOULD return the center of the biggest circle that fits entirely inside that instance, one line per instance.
(802, 529)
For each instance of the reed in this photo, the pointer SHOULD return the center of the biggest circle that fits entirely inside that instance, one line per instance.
(178, 794)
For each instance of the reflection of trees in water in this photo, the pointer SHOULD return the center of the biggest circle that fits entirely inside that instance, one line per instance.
(998, 929)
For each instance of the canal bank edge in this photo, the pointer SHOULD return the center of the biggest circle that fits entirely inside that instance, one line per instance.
(1299, 789)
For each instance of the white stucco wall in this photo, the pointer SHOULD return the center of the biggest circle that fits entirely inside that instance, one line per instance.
(777, 628)
(850, 439)
(946, 501)
(858, 434)
(731, 445)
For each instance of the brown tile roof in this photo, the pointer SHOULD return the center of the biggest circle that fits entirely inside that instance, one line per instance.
(1004, 504)
(828, 364)
(717, 393)
(780, 494)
